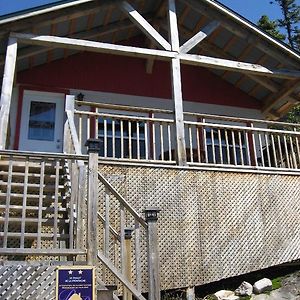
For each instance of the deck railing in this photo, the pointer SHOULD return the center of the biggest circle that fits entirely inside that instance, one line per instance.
(148, 135)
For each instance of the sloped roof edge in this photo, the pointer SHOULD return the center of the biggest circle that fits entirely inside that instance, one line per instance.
(40, 10)
(253, 27)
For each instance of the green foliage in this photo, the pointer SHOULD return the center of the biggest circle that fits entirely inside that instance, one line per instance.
(270, 27)
(276, 283)
(293, 116)
(290, 20)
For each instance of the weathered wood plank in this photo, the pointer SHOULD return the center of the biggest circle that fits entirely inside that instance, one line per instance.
(200, 36)
(7, 88)
(146, 27)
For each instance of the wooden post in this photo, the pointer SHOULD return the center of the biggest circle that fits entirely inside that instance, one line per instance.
(176, 85)
(92, 208)
(153, 253)
(7, 87)
(127, 262)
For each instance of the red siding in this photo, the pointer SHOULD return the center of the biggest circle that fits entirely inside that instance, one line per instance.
(117, 74)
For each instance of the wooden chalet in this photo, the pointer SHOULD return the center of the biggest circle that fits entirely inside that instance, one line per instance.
(142, 137)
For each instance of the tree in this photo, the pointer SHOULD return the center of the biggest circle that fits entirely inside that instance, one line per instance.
(290, 20)
(270, 27)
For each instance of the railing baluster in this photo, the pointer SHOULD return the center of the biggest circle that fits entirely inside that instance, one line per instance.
(267, 148)
(113, 128)
(205, 142)
(56, 195)
(169, 142)
(24, 203)
(161, 132)
(286, 151)
(129, 140)
(274, 150)
(40, 211)
(122, 237)
(254, 145)
(191, 144)
(297, 147)
(138, 268)
(234, 147)
(247, 148)
(96, 124)
(280, 150)
(146, 124)
(220, 146)
(106, 223)
(227, 147)
(88, 125)
(198, 144)
(80, 128)
(261, 150)
(7, 202)
(122, 138)
(138, 140)
(241, 147)
(213, 145)
(153, 141)
(105, 137)
(294, 165)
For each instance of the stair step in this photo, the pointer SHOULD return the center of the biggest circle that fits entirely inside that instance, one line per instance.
(32, 177)
(32, 209)
(31, 187)
(34, 167)
(35, 221)
(44, 236)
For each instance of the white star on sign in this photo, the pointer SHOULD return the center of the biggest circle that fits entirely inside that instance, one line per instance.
(80, 272)
(70, 272)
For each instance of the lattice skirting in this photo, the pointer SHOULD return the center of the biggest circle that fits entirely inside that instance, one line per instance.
(27, 281)
(215, 225)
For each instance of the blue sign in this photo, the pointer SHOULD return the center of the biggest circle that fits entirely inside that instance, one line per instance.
(75, 283)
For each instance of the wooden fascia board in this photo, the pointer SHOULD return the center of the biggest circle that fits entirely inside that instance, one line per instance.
(190, 59)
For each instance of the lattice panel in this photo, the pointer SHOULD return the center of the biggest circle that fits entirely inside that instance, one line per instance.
(215, 225)
(27, 282)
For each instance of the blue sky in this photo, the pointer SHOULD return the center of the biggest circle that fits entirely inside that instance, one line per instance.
(250, 9)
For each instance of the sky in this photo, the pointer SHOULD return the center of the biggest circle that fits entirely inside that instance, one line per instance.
(250, 9)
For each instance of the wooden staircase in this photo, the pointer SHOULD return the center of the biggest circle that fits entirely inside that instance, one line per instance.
(33, 204)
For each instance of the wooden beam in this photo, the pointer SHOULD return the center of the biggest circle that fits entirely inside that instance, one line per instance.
(95, 32)
(272, 100)
(176, 86)
(200, 36)
(145, 26)
(7, 88)
(84, 45)
(235, 66)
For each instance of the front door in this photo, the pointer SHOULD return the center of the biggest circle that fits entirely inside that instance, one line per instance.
(42, 122)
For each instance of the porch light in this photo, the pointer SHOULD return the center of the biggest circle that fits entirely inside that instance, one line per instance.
(80, 98)
(93, 145)
(151, 213)
(128, 233)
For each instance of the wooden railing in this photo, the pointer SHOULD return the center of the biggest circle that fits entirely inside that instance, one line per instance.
(36, 210)
(148, 135)
(128, 133)
(242, 143)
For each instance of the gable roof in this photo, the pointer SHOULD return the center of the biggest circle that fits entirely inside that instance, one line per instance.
(236, 38)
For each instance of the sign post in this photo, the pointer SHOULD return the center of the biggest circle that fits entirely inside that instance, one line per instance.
(75, 283)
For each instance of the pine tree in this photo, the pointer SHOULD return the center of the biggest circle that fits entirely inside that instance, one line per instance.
(270, 27)
(290, 21)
